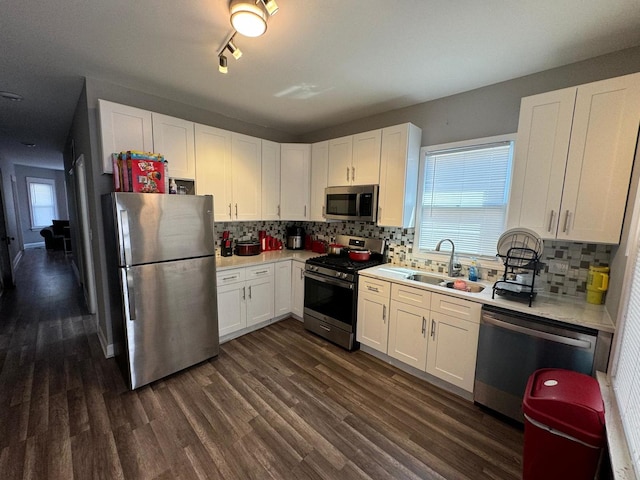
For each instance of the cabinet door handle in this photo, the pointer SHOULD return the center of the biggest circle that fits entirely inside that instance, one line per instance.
(278, 211)
(249, 292)
(353, 174)
(379, 213)
(566, 222)
(301, 274)
(347, 174)
(373, 289)
(244, 293)
(261, 272)
(236, 210)
(323, 214)
(553, 214)
(424, 326)
(305, 211)
(433, 329)
(230, 216)
(384, 313)
(229, 278)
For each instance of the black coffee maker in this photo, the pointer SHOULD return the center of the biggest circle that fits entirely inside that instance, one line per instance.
(295, 238)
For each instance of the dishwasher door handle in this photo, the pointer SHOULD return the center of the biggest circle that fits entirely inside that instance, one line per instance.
(536, 333)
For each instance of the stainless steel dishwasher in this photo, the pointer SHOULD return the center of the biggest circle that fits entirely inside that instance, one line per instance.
(513, 345)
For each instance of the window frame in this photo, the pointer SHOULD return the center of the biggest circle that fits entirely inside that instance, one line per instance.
(42, 181)
(463, 258)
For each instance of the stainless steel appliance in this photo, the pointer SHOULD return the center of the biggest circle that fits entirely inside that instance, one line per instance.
(162, 278)
(331, 290)
(295, 238)
(357, 202)
(512, 346)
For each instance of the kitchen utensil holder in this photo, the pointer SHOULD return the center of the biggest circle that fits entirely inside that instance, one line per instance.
(516, 259)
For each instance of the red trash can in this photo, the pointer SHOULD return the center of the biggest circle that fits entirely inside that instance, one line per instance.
(564, 426)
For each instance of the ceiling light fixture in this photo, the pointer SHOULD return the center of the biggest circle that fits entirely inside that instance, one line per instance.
(14, 97)
(28, 144)
(248, 17)
(222, 64)
(235, 51)
(271, 6)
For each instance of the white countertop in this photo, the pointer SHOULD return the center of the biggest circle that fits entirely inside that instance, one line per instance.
(236, 261)
(571, 310)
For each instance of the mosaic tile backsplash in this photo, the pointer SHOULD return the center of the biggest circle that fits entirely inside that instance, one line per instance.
(400, 251)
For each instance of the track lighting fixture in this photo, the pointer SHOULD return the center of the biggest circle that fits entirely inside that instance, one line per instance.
(271, 6)
(235, 51)
(222, 65)
(248, 18)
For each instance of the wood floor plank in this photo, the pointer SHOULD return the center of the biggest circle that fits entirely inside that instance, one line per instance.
(279, 403)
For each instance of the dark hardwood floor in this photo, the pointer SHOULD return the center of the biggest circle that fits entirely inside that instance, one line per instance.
(278, 403)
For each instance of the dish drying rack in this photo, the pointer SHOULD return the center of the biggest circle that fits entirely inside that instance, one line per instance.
(518, 259)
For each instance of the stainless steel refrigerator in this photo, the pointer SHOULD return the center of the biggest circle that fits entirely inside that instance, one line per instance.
(162, 275)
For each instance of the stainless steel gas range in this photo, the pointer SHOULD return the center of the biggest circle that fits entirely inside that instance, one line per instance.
(331, 290)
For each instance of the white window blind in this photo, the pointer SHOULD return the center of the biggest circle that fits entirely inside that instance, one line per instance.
(42, 201)
(464, 197)
(626, 382)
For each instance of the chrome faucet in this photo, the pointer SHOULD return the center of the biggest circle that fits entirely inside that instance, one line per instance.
(455, 269)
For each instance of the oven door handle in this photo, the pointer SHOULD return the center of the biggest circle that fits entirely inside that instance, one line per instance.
(330, 281)
(536, 333)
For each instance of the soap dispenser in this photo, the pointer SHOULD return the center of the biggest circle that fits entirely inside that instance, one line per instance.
(473, 270)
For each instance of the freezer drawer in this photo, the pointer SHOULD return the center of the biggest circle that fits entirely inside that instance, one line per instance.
(170, 317)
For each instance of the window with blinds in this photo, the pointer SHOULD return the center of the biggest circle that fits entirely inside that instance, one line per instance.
(626, 381)
(463, 196)
(42, 201)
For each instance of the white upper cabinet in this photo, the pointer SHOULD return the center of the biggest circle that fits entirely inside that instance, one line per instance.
(213, 168)
(365, 165)
(355, 159)
(174, 138)
(340, 156)
(399, 159)
(574, 154)
(246, 177)
(319, 171)
(295, 172)
(123, 128)
(270, 180)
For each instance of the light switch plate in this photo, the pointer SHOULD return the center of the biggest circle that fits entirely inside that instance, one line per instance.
(559, 267)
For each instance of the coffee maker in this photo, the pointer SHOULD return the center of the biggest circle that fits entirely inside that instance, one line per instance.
(295, 238)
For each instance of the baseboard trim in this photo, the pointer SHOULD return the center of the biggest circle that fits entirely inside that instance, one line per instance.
(33, 245)
(107, 348)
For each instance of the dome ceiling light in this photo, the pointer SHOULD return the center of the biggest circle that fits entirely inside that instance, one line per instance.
(14, 97)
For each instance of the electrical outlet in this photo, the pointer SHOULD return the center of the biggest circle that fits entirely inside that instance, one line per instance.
(559, 267)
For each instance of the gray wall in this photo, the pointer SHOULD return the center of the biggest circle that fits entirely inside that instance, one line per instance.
(487, 111)
(22, 172)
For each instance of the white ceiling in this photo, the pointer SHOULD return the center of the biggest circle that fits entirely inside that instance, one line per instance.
(347, 58)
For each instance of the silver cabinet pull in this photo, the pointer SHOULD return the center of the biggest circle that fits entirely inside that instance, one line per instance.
(384, 313)
(433, 328)
(305, 211)
(244, 293)
(249, 292)
(229, 278)
(347, 174)
(553, 214)
(230, 216)
(424, 326)
(566, 222)
(323, 214)
(278, 210)
(236, 210)
(379, 213)
(301, 273)
(353, 174)
(373, 289)
(261, 272)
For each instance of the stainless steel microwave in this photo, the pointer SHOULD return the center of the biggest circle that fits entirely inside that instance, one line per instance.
(357, 202)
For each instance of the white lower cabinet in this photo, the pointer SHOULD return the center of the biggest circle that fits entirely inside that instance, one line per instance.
(245, 297)
(372, 327)
(407, 325)
(282, 295)
(297, 288)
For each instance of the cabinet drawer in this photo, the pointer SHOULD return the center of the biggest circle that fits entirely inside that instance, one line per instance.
(456, 307)
(411, 295)
(374, 286)
(259, 271)
(228, 277)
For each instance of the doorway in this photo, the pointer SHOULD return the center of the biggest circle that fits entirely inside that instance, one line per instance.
(6, 265)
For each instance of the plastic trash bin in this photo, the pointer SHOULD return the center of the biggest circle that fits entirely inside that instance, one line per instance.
(564, 425)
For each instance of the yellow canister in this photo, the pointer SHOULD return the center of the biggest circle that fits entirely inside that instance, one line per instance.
(597, 284)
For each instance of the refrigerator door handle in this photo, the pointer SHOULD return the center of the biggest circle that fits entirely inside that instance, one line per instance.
(126, 239)
(129, 294)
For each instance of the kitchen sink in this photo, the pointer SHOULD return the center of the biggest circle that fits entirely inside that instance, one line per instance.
(472, 287)
(430, 279)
